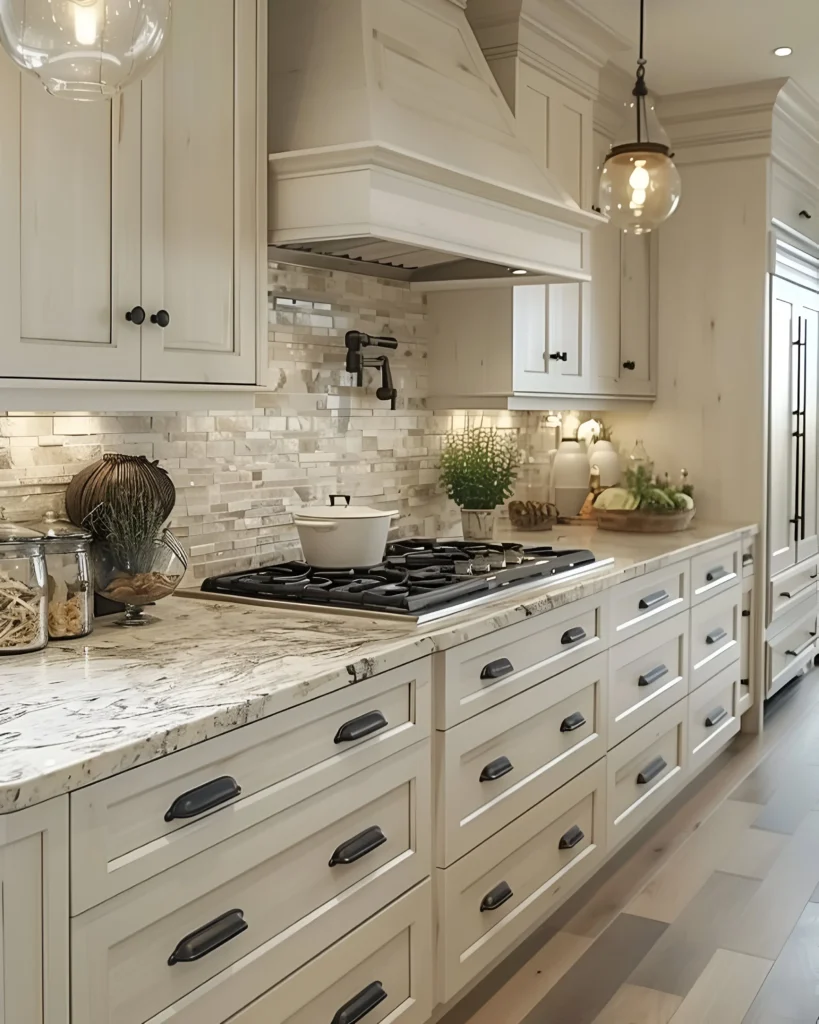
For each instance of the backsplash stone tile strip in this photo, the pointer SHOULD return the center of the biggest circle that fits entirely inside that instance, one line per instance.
(240, 476)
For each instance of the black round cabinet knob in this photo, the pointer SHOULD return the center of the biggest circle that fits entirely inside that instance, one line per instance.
(135, 315)
(629, 364)
(162, 318)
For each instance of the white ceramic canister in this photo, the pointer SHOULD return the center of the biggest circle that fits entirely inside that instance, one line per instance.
(570, 476)
(603, 455)
(343, 536)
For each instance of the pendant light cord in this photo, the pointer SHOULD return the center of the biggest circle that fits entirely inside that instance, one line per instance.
(640, 90)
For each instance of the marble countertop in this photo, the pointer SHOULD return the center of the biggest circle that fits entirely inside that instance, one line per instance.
(87, 709)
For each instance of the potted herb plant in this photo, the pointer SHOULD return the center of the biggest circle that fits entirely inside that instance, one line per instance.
(478, 471)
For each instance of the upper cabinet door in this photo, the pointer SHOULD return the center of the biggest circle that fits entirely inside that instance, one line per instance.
(70, 248)
(636, 371)
(549, 340)
(200, 197)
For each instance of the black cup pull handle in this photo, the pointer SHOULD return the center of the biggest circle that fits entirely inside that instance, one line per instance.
(497, 769)
(359, 846)
(203, 798)
(747, 558)
(343, 497)
(497, 669)
(496, 897)
(570, 839)
(136, 316)
(652, 600)
(358, 728)
(362, 1004)
(572, 722)
(652, 676)
(715, 717)
(651, 771)
(211, 936)
(715, 636)
(573, 635)
(717, 574)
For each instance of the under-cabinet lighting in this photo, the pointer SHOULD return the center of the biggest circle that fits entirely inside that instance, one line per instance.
(783, 51)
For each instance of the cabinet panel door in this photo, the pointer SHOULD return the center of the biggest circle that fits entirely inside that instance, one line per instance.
(635, 312)
(199, 172)
(549, 338)
(808, 543)
(605, 319)
(69, 205)
(782, 424)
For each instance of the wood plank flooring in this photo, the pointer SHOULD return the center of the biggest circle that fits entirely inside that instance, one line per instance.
(709, 916)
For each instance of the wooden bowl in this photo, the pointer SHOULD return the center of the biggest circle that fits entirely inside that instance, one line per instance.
(638, 521)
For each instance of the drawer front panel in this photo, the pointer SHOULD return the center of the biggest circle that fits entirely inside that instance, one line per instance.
(481, 673)
(795, 647)
(793, 586)
(119, 832)
(499, 890)
(499, 764)
(713, 716)
(645, 771)
(648, 600)
(648, 674)
(383, 970)
(297, 877)
(715, 635)
(715, 571)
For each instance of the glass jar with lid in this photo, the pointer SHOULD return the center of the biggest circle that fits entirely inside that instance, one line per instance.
(68, 564)
(23, 600)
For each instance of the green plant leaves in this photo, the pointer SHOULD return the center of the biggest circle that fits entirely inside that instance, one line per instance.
(479, 467)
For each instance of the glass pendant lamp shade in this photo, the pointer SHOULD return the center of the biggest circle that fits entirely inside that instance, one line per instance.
(84, 49)
(640, 186)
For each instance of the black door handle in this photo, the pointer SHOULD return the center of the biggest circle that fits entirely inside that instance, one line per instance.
(358, 728)
(715, 636)
(652, 600)
(573, 635)
(629, 364)
(746, 613)
(135, 315)
(203, 798)
(362, 1004)
(651, 770)
(560, 357)
(497, 897)
(497, 669)
(715, 717)
(496, 769)
(161, 319)
(651, 677)
(204, 940)
(359, 846)
(572, 722)
(717, 574)
(570, 839)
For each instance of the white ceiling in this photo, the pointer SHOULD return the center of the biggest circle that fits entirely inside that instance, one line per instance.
(699, 44)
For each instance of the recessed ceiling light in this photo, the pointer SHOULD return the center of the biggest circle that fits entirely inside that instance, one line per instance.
(518, 272)
(783, 51)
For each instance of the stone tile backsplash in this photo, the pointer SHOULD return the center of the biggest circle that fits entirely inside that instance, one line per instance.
(240, 475)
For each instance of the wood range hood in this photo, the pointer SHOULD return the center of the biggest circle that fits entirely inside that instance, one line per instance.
(392, 145)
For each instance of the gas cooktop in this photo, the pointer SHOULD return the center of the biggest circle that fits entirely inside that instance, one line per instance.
(423, 580)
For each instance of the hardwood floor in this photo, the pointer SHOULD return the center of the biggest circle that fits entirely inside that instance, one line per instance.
(709, 916)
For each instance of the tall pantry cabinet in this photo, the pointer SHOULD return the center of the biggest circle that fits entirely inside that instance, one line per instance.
(131, 248)
(738, 387)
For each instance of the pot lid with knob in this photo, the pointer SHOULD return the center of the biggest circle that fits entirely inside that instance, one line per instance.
(343, 511)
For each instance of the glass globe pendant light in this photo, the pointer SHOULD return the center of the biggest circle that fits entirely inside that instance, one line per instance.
(639, 185)
(84, 49)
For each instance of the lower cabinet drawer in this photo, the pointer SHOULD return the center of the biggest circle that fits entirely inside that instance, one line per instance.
(500, 763)
(788, 588)
(715, 635)
(645, 771)
(794, 647)
(647, 675)
(713, 716)
(261, 904)
(646, 600)
(494, 894)
(381, 972)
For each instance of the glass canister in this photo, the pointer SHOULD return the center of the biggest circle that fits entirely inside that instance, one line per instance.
(68, 563)
(23, 595)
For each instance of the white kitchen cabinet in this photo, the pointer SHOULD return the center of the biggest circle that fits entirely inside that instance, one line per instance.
(34, 924)
(793, 510)
(117, 214)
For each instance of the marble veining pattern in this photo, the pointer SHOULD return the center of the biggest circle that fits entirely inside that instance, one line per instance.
(86, 710)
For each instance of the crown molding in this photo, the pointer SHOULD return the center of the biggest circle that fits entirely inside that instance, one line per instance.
(796, 133)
